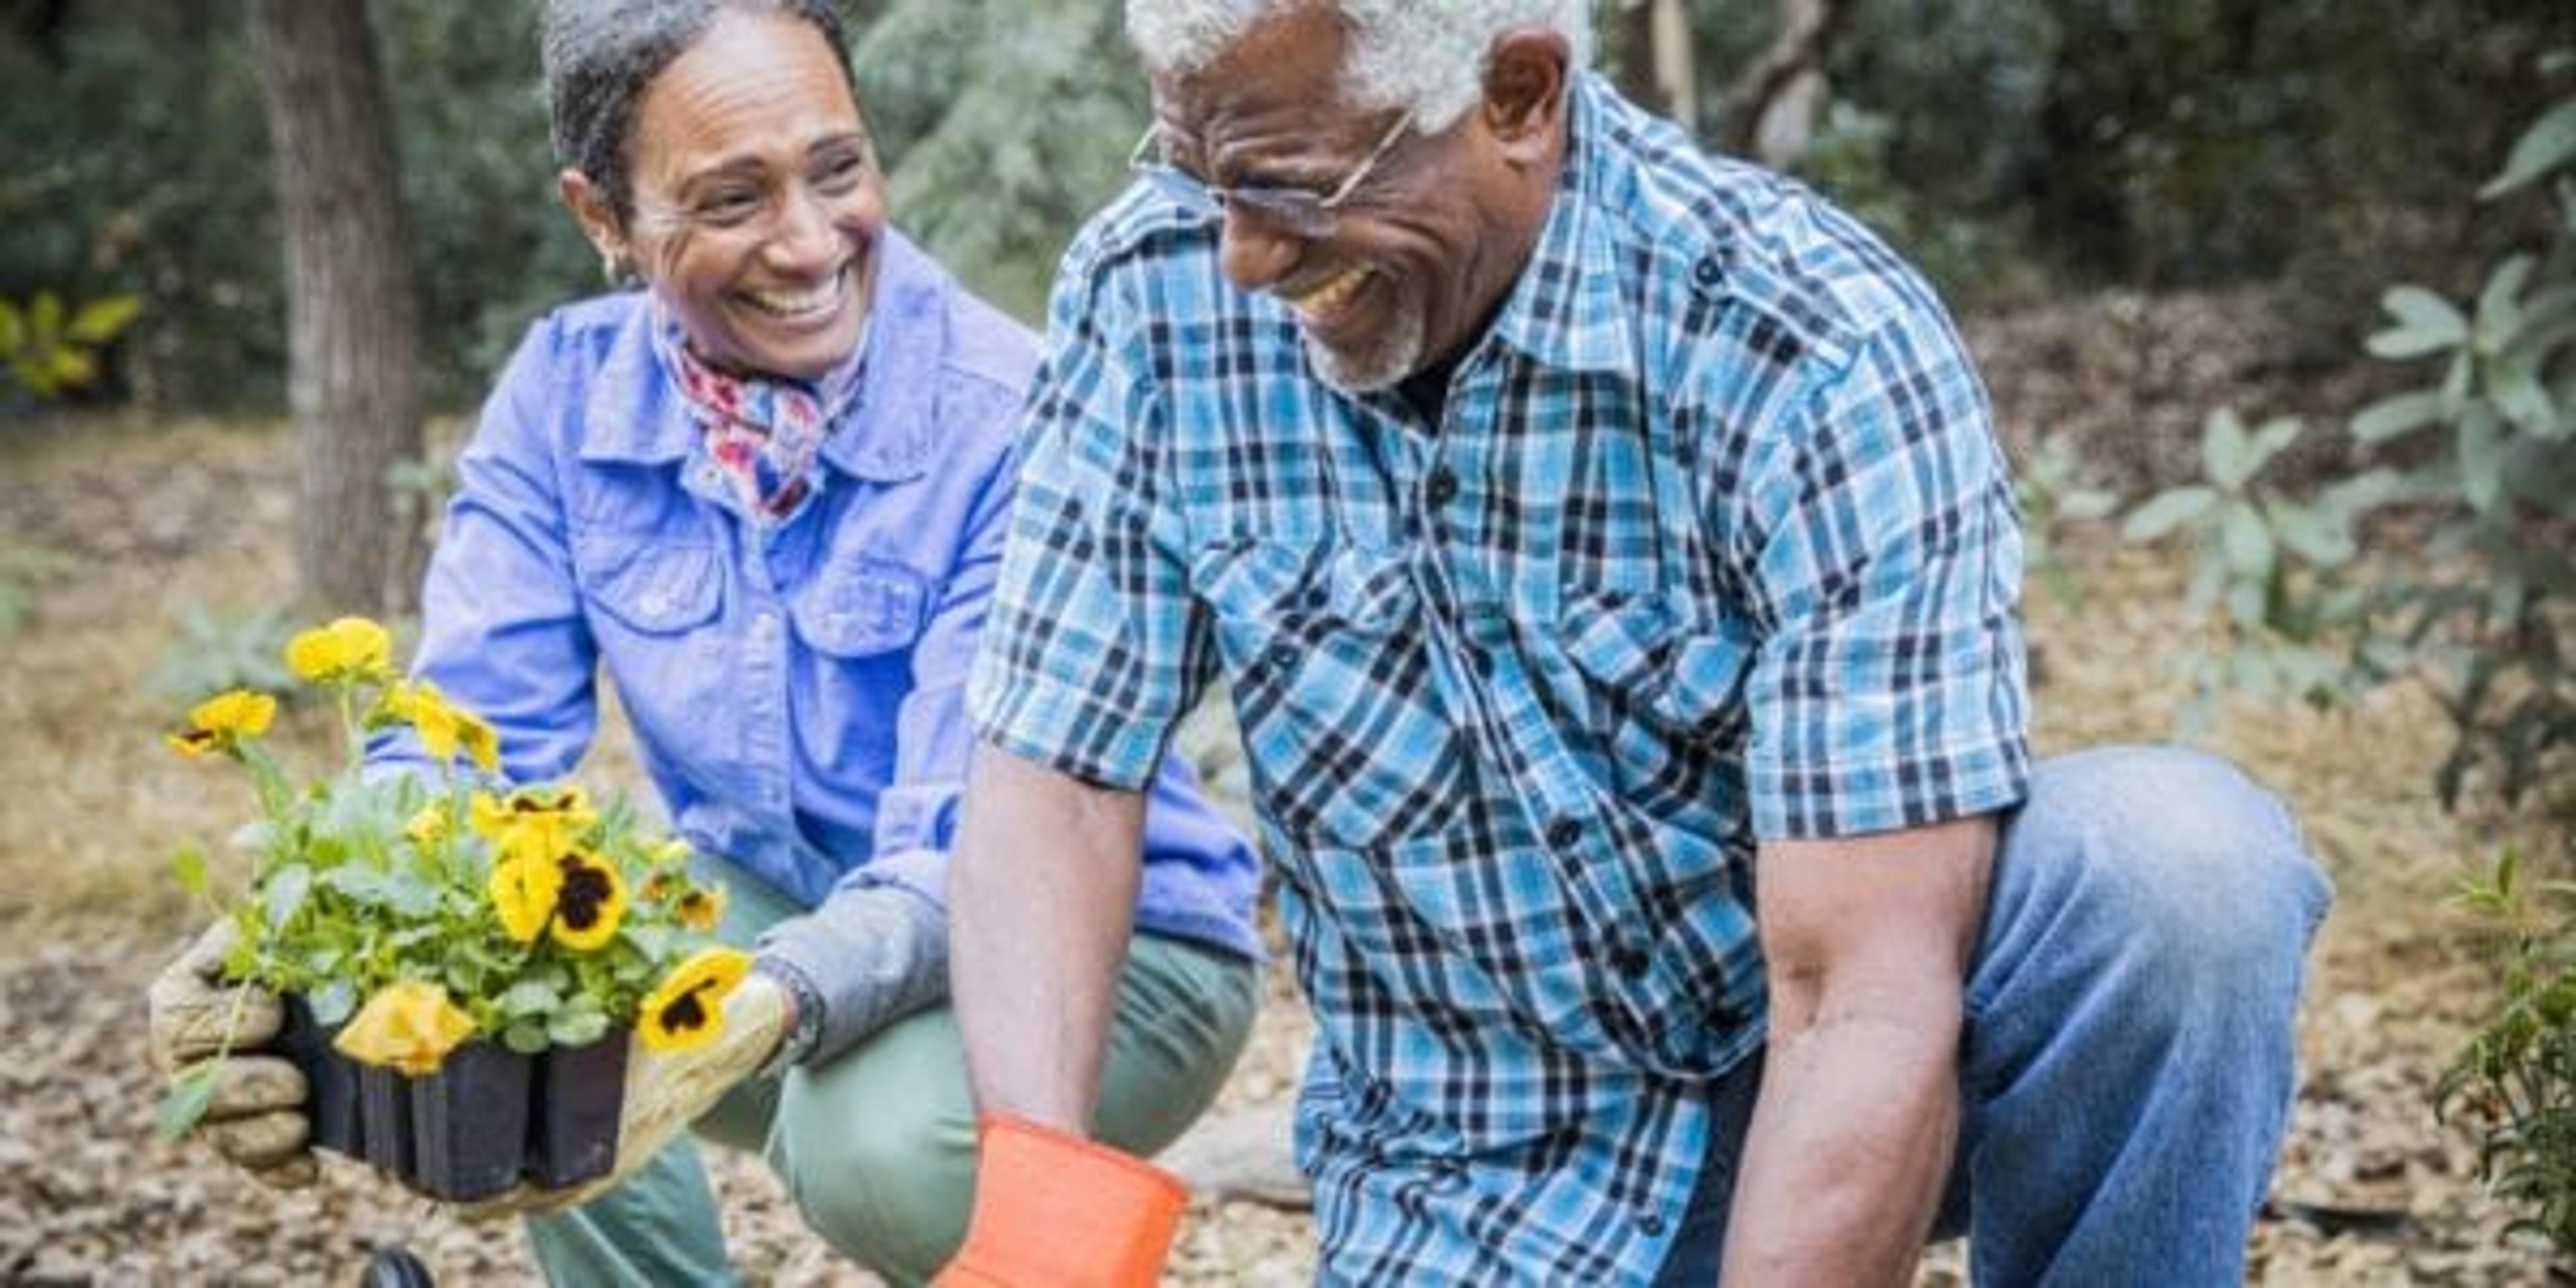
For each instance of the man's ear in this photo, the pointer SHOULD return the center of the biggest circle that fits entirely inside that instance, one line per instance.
(1525, 82)
(591, 209)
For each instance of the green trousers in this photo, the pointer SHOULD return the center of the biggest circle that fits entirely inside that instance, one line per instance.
(877, 1145)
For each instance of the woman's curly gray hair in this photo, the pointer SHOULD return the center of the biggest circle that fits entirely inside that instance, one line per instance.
(601, 54)
(1424, 55)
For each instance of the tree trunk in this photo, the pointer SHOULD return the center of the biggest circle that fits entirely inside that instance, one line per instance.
(352, 325)
(1655, 69)
(1772, 107)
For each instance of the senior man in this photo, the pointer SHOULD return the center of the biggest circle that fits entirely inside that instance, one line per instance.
(1611, 560)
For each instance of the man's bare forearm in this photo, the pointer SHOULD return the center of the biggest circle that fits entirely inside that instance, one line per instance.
(1850, 1143)
(1042, 895)
(1865, 945)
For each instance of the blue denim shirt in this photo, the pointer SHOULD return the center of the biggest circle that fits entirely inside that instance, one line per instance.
(796, 702)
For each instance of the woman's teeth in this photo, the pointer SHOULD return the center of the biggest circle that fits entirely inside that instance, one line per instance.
(792, 304)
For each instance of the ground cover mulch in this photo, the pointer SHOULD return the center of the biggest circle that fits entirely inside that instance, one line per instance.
(2371, 1190)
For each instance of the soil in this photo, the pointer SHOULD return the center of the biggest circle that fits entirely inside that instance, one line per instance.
(151, 516)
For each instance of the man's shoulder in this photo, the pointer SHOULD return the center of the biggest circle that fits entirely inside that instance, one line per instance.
(1755, 239)
(1141, 241)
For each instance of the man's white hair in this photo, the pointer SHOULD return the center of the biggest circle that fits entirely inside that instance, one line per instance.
(1424, 55)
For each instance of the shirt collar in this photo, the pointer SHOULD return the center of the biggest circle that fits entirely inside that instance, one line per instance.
(1566, 310)
(637, 416)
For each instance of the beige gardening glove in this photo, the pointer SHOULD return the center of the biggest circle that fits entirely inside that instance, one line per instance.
(667, 1092)
(255, 1116)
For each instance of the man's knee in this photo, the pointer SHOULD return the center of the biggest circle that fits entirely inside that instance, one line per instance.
(2197, 874)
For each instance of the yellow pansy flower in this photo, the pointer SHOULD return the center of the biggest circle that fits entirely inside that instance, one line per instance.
(687, 1009)
(428, 827)
(524, 891)
(220, 723)
(590, 903)
(350, 650)
(701, 908)
(442, 725)
(534, 822)
(410, 1026)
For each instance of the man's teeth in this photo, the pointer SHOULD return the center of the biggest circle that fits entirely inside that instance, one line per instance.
(1325, 298)
(810, 301)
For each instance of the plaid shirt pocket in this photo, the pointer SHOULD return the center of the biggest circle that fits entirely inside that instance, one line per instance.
(1330, 669)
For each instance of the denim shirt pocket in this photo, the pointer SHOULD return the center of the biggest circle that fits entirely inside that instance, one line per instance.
(862, 607)
(652, 586)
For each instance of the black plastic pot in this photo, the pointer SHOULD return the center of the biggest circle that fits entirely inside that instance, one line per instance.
(469, 1123)
(330, 1078)
(579, 1090)
(384, 1112)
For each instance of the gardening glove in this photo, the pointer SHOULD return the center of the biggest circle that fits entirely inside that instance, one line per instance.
(1058, 1211)
(255, 1116)
(665, 1092)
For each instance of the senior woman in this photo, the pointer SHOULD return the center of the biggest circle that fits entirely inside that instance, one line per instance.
(766, 496)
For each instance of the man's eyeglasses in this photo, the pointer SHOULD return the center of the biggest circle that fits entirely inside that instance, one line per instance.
(1299, 210)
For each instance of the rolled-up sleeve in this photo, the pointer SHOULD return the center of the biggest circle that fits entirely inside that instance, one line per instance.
(1094, 649)
(1878, 542)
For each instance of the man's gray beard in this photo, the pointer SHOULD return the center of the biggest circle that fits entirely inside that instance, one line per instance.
(1380, 368)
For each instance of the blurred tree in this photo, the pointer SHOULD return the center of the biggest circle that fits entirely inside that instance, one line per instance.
(351, 317)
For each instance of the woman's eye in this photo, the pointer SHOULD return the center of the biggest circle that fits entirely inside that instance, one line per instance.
(731, 206)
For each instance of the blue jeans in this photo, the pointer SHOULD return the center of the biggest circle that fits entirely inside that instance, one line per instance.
(2128, 1060)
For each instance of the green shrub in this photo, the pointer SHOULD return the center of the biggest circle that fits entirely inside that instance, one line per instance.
(2475, 595)
(2515, 1084)
(52, 350)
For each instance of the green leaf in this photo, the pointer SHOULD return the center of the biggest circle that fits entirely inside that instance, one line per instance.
(2499, 305)
(2518, 393)
(189, 865)
(336, 1000)
(100, 320)
(2391, 417)
(2425, 323)
(13, 329)
(529, 997)
(2225, 452)
(284, 893)
(186, 1105)
(2248, 542)
(2270, 440)
(2170, 510)
(2548, 144)
(45, 320)
(2313, 534)
(577, 1028)
(2482, 460)
(2087, 504)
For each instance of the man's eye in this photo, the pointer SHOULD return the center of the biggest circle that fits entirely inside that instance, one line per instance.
(841, 174)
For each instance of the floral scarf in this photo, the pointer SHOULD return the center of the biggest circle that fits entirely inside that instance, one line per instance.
(763, 435)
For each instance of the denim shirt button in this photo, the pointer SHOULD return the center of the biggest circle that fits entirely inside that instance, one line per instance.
(1652, 1224)
(1281, 656)
(1563, 832)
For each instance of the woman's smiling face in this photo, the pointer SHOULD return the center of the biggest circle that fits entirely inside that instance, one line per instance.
(758, 205)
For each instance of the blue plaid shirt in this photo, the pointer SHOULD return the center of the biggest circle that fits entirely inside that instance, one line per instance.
(1712, 543)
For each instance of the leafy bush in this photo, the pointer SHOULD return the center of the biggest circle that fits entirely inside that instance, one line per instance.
(215, 651)
(2516, 1081)
(2478, 596)
(53, 351)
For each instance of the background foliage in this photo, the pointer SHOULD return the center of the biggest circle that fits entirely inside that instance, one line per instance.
(2003, 142)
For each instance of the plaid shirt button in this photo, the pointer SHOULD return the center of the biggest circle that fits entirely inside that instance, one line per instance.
(1442, 487)
(1563, 832)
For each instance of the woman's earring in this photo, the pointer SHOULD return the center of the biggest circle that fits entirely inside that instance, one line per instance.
(614, 266)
